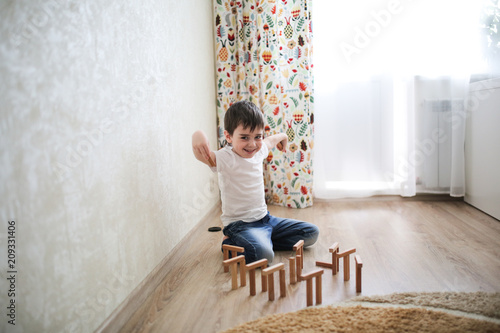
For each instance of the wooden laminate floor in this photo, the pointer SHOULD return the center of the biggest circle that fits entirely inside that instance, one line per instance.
(405, 245)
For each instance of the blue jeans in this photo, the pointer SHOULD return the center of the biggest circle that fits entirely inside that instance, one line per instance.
(261, 238)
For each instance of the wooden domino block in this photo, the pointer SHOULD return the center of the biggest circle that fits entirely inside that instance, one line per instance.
(282, 282)
(293, 274)
(346, 256)
(359, 266)
(251, 275)
(269, 272)
(234, 253)
(299, 251)
(233, 263)
(334, 265)
(299, 255)
(211, 162)
(309, 286)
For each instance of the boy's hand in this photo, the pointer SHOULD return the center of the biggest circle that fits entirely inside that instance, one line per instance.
(279, 141)
(282, 145)
(201, 148)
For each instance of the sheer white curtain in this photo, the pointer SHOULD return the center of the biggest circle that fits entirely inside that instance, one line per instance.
(391, 79)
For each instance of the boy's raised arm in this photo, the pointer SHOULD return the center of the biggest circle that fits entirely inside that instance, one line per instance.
(279, 140)
(201, 149)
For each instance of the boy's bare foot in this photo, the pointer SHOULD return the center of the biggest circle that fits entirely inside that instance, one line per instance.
(224, 238)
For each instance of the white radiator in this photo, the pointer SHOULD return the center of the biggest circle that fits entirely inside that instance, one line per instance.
(436, 171)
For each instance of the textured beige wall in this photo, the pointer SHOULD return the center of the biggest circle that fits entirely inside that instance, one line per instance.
(98, 102)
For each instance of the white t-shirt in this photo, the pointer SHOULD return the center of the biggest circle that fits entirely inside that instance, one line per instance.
(241, 184)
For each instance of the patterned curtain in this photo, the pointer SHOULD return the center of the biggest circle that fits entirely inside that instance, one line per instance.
(264, 54)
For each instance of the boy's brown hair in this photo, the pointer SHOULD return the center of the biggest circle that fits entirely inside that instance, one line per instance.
(243, 113)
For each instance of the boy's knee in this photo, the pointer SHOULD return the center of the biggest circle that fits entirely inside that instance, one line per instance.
(312, 235)
(263, 253)
(268, 254)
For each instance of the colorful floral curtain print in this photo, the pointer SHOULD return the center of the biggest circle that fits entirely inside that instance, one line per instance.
(263, 54)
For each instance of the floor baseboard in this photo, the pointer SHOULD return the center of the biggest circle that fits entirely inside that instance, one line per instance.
(418, 197)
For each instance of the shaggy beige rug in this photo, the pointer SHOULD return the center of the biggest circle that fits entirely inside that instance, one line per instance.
(407, 312)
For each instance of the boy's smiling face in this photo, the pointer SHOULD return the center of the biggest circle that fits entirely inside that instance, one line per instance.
(245, 143)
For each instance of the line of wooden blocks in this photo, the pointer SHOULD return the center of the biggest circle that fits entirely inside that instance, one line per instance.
(334, 265)
(267, 275)
(296, 264)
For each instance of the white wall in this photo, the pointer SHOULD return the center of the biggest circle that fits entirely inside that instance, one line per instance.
(482, 147)
(98, 102)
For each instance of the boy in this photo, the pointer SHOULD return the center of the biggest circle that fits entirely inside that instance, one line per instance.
(247, 223)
